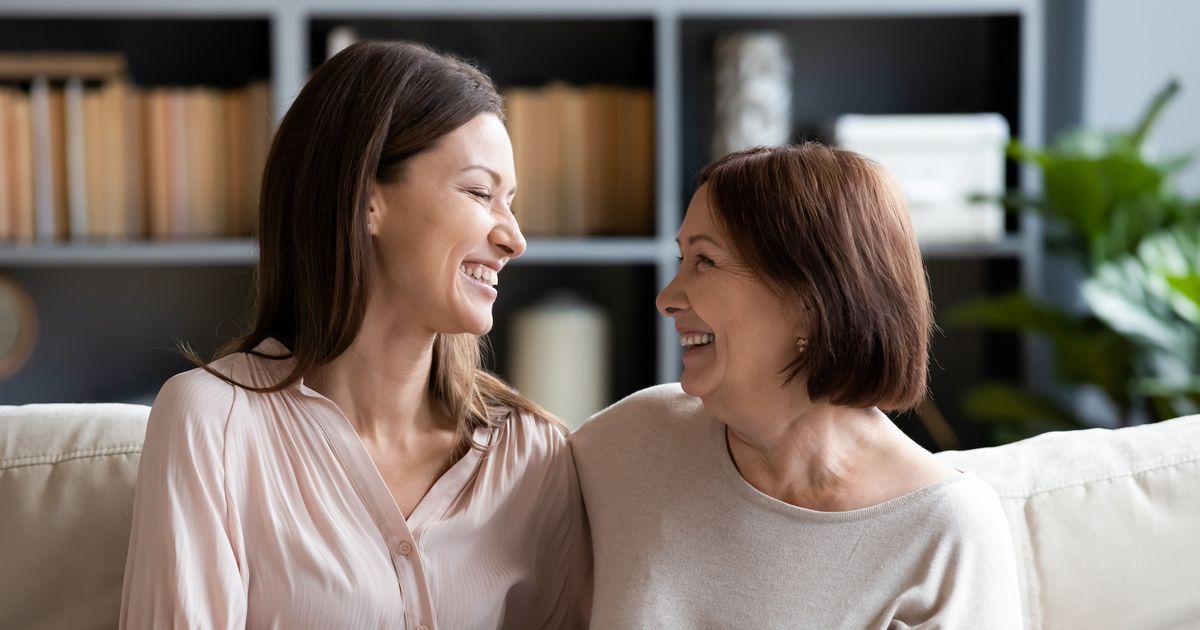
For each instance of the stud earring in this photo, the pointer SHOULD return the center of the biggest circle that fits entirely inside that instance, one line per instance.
(801, 344)
(371, 227)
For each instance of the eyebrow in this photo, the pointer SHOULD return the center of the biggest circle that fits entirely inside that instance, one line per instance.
(700, 237)
(494, 175)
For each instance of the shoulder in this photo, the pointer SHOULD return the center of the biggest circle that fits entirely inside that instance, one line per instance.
(196, 393)
(197, 404)
(530, 440)
(966, 510)
(644, 414)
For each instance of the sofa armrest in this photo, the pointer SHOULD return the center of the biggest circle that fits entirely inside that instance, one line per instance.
(67, 475)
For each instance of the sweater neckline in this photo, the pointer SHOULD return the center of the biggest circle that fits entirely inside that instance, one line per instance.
(739, 486)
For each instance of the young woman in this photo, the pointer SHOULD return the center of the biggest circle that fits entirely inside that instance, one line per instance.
(347, 464)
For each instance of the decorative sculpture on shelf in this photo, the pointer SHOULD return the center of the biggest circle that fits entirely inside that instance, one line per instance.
(753, 92)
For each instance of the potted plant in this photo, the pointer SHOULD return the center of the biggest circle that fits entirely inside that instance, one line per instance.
(1110, 211)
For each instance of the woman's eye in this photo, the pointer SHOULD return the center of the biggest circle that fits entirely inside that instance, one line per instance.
(480, 194)
(701, 259)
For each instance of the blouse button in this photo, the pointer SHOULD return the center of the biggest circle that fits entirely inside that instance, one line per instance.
(406, 549)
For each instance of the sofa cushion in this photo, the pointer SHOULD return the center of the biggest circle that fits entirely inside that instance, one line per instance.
(67, 475)
(1106, 523)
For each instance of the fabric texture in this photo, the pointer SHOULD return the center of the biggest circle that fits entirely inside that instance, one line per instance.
(681, 540)
(1106, 523)
(66, 496)
(266, 511)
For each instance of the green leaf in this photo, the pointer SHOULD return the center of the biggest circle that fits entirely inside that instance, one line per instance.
(1002, 403)
(1187, 286)
(1013, 312)
(1160, 100)
(1076, 191)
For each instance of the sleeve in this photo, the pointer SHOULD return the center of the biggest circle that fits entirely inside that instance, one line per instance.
(182, 570)
(971, 574)
(566, 554)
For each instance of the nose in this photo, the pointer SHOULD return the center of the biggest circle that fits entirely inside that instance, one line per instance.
(507, 237)
(672, 300)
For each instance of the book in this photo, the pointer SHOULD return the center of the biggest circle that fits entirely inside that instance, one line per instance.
(260, 127)
(132, 159)
(113, 196)
(95, 176)
(77, 186)
(20, 164)
(178, 210)
(23, 66)
(235, 168)
(6, 196)
(205, 144)
(157, 152)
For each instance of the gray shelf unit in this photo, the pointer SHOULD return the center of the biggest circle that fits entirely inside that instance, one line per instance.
(289, 56)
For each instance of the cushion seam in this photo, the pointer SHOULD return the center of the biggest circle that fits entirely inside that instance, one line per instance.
(1188, 459)
(36, 460)
(1033, 581)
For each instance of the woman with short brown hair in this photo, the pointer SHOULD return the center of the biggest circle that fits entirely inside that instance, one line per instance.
(347, 463)
(768, 489)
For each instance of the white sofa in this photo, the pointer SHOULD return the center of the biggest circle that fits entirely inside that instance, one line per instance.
(1106, 524)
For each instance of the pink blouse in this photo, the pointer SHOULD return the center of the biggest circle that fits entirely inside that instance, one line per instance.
(265, 511)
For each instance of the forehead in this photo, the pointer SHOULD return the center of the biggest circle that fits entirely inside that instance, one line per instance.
(482, 140)
(699, 218)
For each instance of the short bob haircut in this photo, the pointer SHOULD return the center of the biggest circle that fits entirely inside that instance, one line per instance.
(828, 231)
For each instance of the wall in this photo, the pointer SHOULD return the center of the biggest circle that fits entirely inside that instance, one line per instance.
(1131, 49)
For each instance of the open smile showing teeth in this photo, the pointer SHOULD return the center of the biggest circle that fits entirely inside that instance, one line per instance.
(481, 274)
(695, 341)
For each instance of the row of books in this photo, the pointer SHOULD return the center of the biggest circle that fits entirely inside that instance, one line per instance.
(584, 159)
(105, 160)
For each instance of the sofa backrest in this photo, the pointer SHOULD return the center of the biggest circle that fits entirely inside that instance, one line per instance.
(1106, 524)
(67, 475)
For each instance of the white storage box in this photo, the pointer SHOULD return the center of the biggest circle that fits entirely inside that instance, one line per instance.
(939, 162)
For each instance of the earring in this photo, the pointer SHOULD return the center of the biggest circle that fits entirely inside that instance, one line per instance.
(801, 344)
(371, 227)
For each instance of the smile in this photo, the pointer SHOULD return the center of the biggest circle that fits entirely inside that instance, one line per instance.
(480, 274)
(695, 341)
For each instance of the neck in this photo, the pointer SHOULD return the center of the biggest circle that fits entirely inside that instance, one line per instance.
(804, 453)
(381, 384)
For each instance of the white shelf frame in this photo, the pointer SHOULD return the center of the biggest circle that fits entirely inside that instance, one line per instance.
(289, 23)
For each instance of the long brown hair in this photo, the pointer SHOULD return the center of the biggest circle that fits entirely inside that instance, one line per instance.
(829, 231)
(362, 115)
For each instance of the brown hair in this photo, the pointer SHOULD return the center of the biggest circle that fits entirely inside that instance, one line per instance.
(829, 232)
(362, 115)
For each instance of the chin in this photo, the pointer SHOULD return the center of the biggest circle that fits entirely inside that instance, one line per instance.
(693, 388)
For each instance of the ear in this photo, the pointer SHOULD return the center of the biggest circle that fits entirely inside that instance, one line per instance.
(376, 206)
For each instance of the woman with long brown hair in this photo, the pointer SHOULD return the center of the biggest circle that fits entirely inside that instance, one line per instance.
(347, 463)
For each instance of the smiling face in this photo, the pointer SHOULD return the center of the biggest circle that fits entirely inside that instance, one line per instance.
(737, 334)
(444, 231)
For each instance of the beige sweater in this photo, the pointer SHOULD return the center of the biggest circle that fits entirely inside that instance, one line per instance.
(682, 541)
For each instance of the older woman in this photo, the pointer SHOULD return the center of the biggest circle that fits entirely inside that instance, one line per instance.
(768, 489)
(346, 463)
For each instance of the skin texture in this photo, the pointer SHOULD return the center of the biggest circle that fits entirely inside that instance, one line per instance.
(810, 454)
(451, 205)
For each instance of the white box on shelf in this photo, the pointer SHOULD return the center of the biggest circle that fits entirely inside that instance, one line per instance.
(939, 162)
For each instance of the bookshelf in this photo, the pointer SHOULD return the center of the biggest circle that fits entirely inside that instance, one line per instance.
(970, 55)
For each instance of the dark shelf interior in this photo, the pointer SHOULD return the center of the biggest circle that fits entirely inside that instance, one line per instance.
(108, 334)
(521, 52)
(923, 65)
(160, 52)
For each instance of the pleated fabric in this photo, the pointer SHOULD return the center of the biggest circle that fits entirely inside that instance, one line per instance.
(266, 511)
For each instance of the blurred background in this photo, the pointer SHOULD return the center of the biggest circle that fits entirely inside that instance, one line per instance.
(1043, 145)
